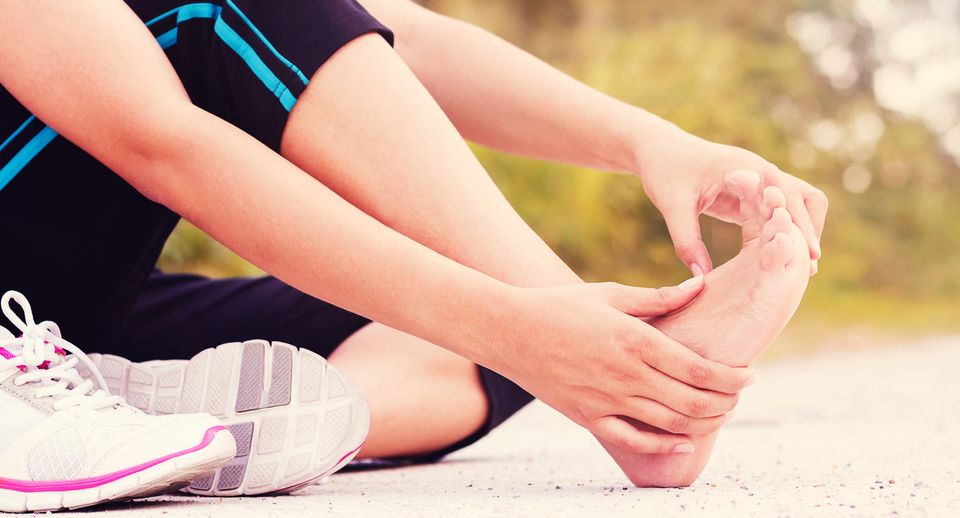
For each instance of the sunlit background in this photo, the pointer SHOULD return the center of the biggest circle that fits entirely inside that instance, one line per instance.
(861, 98)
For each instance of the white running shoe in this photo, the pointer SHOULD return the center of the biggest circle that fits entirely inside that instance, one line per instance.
(295, 418)
(66, 444)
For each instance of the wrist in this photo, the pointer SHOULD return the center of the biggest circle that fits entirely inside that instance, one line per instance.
(473, 323)
(650, 137)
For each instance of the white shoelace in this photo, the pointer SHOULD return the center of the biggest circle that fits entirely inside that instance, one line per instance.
(41, 362)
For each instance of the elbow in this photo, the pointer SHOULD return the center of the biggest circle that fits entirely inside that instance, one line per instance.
(148, 150)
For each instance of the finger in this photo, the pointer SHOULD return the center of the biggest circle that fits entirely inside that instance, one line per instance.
(797, 208)
(648, 302)
(665, 418)
(686, 400)
(683, 223)
(745, 184)
(680, 363)
(620, 434)
(773, 198)
(816, 202)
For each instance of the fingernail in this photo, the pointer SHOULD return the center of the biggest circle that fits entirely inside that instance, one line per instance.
(683, 448)
(697, 270)
(692, 284)
(751, 380)
(814, 268)
(729, 416)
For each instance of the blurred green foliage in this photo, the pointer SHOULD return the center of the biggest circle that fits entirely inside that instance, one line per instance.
(730, 72)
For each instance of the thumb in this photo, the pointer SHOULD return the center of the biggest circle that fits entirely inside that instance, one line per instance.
(684, 227)
(651, 302)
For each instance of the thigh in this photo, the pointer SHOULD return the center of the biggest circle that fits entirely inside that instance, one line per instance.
(248, 61)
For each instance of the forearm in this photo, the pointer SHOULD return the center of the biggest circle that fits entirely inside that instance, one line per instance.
(502, 97)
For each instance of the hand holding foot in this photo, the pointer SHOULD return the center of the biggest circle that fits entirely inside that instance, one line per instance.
(745, 304)
(686, 176)
(585, 351)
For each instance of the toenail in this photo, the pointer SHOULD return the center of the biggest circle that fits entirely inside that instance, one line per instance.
(683, 448)
(692, 283)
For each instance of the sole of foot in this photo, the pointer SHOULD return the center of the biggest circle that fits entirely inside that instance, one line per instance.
(294, 417)
(744, 306)
(747, 301)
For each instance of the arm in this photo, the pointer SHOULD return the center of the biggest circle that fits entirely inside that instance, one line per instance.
(505, 98)
(81, 82)
(210, 172)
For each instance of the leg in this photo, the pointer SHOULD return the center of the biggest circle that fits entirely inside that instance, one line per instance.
(401, 375)
(368, 129)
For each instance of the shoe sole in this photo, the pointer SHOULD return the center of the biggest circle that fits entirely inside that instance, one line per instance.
(294, 417)
(164, 477)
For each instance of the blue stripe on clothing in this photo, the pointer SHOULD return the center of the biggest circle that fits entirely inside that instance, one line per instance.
(266, 42)
(191, 11)
(166, 40)
(19, 130)
(25, 155)
(257, 66)
(162, 16)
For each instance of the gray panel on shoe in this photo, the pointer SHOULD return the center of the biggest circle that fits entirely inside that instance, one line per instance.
(231, 476)
(26, 393)
(282, 378)
(251, 377)
(243, 434)
(202, 484)
(194, 382)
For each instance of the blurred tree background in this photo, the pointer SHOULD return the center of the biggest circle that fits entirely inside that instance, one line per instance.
(861, 98)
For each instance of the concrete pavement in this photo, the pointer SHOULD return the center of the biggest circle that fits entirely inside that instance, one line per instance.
(873, 432)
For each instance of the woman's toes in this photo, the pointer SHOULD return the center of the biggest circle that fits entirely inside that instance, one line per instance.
(776, 254)
(779, 222)
(773, 198)
(746, 184)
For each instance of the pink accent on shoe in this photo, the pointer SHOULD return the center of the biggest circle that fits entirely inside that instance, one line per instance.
(30, 486)
(349, 453)
(44, 365)
(5, 353)
(325, 473)
(59, 351)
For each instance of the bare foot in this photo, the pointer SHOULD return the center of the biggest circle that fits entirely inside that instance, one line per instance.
(746, 303)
